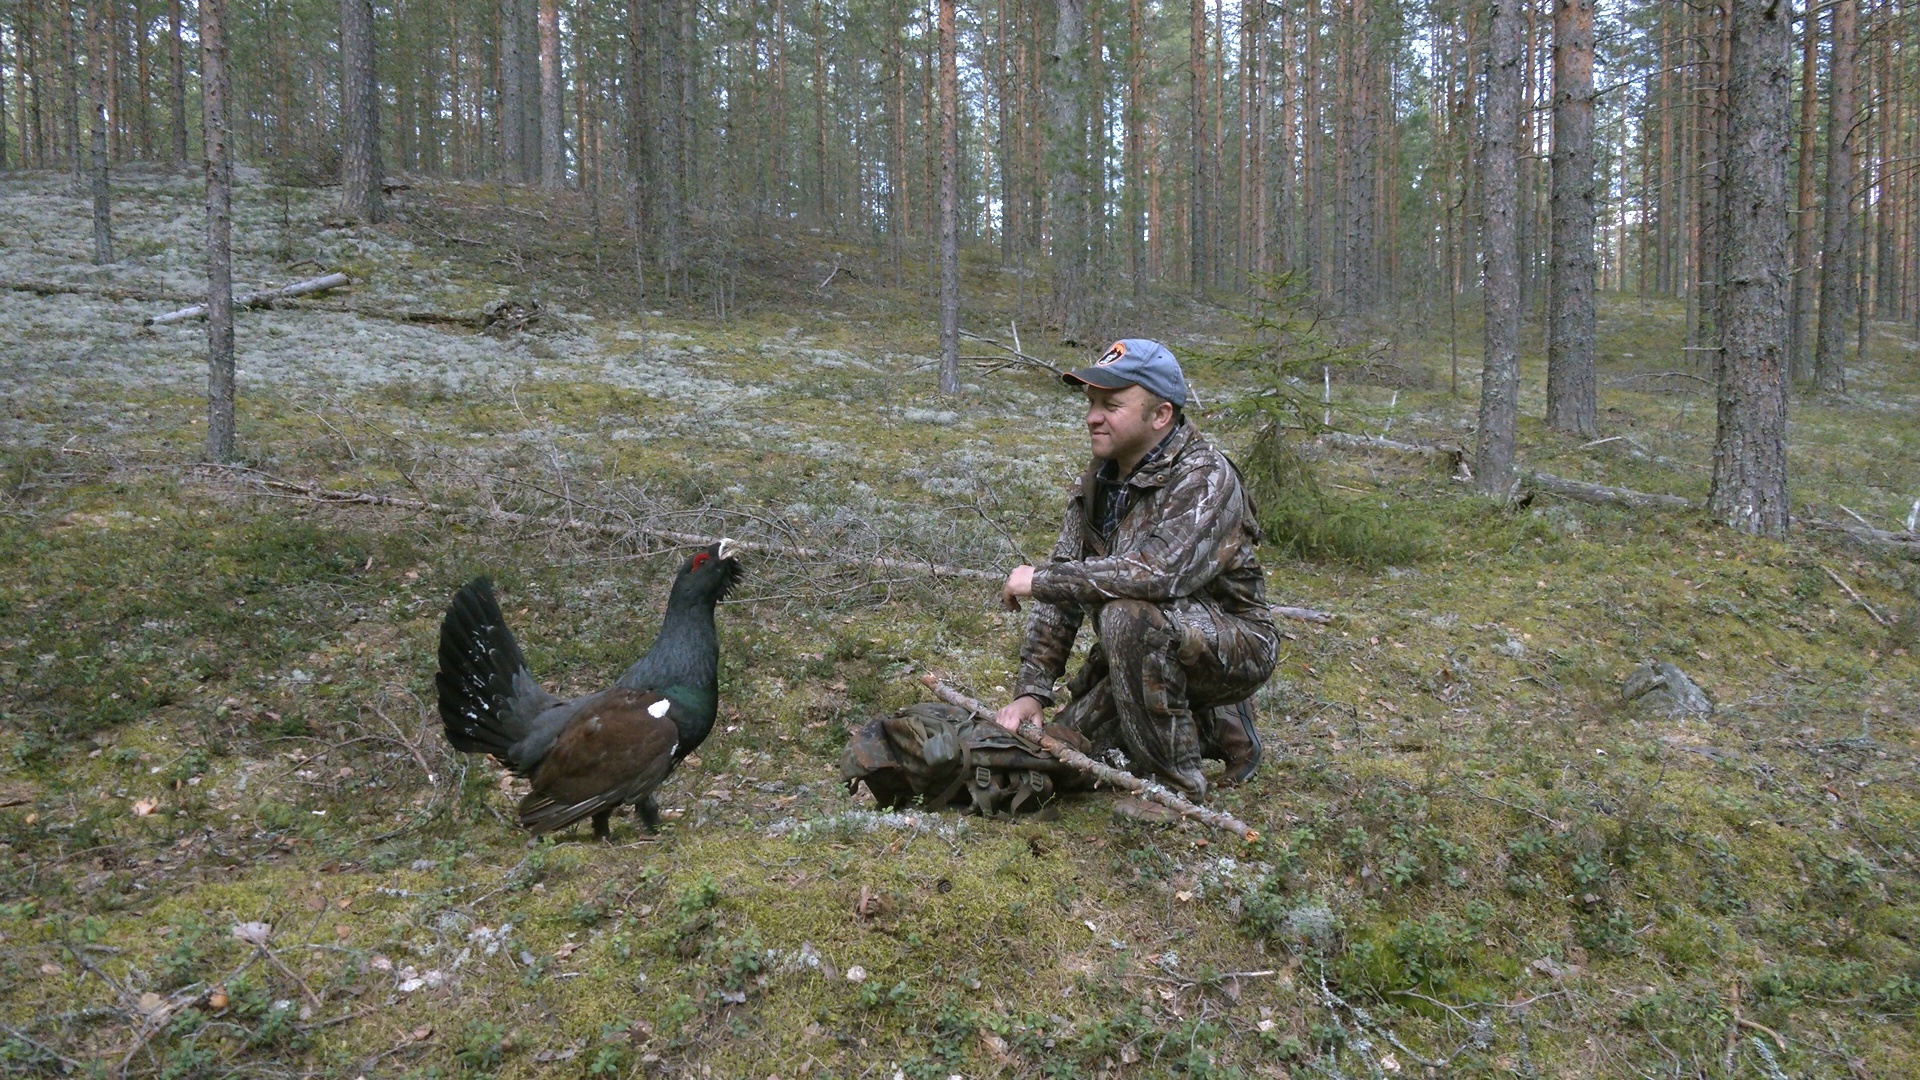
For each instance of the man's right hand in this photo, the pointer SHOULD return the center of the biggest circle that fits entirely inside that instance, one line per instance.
(1024, 709)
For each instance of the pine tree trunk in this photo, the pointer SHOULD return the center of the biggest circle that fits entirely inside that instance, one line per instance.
(1198, 232)
(143, 115)
(1136, 150)
(70, 61)
(1067, 165)
(553, 159)
(97, 51)
(177, 91)
(218, 135)
(19, 50)
(1749, 454)
(1357, 175)
(1313, 251)
(1805, 227)
(512, 110)
(359, 115)
(1837, 296)
(949, 241)
(898, 213)
(1095, 153)
(1570, 389)
(820, 112)
(1500, 371)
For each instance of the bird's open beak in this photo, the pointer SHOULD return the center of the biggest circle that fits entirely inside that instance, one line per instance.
(726, 548)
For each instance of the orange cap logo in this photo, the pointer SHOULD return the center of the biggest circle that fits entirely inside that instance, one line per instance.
(1114, 352)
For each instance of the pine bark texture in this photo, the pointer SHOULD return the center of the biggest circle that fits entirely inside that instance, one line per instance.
(1806, 228)
(359, 115)
(1500, 370)
(1750, 455)
(1837, 297)
(1357, 180)
(1571, 405)
(177, 85)
(1135, 195)
(217, 132)
(1200, 257)
(949, 239)
(512, 107)
(553, 160)
(1067, 165)
(100, 184)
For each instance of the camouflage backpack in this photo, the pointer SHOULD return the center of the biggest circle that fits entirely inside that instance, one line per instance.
(940, 756)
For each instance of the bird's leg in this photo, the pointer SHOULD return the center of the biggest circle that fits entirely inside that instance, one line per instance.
(649, 813)
(600, 829)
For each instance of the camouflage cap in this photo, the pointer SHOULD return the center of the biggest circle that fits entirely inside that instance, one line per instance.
(1135, 362)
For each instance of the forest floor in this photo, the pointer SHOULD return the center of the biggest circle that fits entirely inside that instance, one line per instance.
(235, 842)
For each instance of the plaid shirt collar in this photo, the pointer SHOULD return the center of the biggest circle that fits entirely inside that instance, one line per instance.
(1116, 495)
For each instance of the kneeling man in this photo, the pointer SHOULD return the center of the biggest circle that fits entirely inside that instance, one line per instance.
(1158, 553)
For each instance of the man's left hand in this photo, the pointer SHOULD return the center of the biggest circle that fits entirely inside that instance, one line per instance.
(1019, 584)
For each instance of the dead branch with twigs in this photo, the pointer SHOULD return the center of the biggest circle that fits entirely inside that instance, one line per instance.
(1014, 357)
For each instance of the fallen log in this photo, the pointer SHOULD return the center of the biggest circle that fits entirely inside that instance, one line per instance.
(1455, 457)
(1347, 441)
(1903, 544)
(322, 283)
(1601, 495)
(1106, 774)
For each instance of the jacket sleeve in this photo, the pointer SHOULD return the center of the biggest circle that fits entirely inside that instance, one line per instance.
(1199, 530)
(1053, 625)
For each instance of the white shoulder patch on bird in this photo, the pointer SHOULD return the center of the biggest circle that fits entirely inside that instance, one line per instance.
(659, 708)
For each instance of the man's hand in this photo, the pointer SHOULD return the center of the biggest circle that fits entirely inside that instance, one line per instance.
(1019, 584)
(1024, 709)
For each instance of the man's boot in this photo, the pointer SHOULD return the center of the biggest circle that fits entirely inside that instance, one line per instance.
(1236, 741)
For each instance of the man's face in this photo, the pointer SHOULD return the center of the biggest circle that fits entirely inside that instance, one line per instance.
(1124, 424)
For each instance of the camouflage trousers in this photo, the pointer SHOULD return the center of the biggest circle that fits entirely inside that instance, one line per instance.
(1149, 687)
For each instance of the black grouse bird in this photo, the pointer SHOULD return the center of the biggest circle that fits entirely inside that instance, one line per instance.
(588, 756)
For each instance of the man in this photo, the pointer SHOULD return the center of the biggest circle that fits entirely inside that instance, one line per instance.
(1157, 552)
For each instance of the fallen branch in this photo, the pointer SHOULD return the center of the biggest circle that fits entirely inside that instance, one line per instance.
(1014, 355)
(256, 299)
(1857, 598)
(333, 496)
(1347, 441)
(1456, 457)
(1905, 544)
(1601, 495)
(1126, 781)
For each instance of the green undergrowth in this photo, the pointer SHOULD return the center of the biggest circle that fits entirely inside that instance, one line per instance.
(1473, 858)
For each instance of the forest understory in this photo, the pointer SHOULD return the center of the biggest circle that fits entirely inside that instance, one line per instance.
(236, 842)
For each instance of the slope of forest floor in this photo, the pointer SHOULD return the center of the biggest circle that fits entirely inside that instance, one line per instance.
(235, 842)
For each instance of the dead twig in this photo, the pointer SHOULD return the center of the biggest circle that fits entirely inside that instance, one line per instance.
(1857, 598)
(1015, 356)
(317, 494)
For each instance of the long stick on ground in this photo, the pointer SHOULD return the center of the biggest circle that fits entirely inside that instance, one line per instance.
(314, 493)
(255, 299)
(317, 494)
(1107, 774)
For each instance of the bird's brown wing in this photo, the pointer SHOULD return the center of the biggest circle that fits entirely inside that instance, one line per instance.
(617, 749)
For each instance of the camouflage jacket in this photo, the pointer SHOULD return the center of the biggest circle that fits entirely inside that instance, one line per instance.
(1189, 532)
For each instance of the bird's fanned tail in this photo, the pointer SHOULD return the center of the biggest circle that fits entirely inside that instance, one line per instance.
(488, 699)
